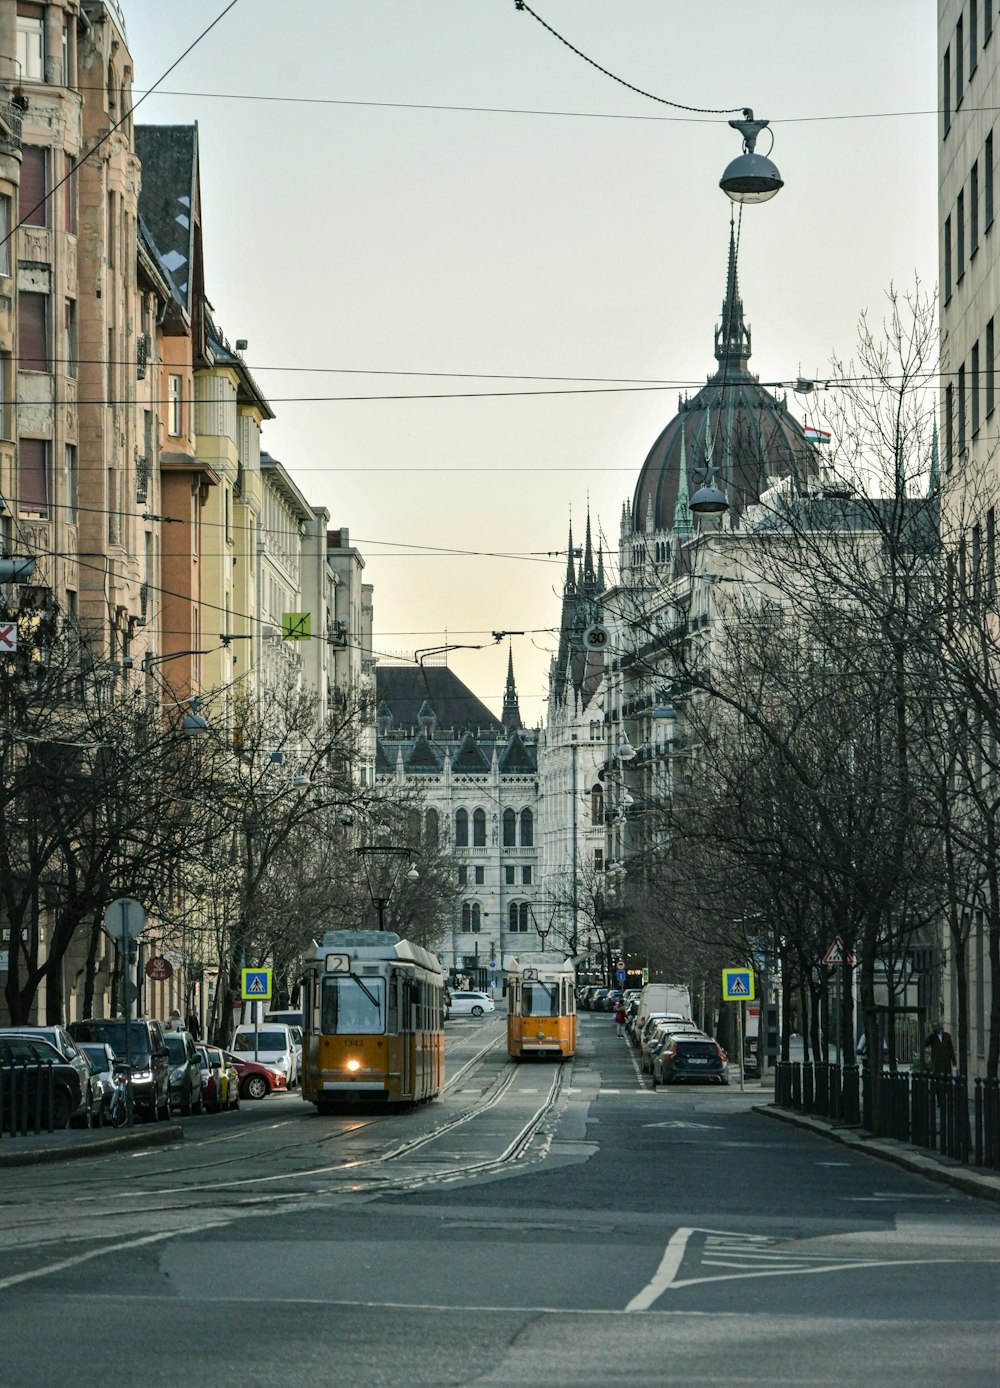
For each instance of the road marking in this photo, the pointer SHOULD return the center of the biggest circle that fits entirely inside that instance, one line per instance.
(681, 1123)
(754, 1256)
(65, 1263)
(669, 1266)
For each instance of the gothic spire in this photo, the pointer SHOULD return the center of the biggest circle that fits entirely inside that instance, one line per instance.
(570, 572)
(732, 337)
(511, 716)
(683, 523)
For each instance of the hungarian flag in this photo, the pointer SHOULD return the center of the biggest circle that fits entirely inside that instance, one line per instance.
(814, 435)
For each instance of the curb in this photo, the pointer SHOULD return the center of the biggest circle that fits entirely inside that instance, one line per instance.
(983, 1186)
(97, 1147)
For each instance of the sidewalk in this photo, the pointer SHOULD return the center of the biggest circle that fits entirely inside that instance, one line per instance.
(971, 1180)
(83, 1142)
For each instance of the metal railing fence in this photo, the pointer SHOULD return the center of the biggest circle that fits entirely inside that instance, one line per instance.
(27, 1097)
(935, 1112)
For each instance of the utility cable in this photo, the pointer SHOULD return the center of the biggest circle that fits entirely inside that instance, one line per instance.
(126, 115)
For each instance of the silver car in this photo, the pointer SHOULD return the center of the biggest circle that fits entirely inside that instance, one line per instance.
(88, 1114)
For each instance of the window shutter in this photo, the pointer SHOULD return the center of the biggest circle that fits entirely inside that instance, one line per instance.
(31, 328)
(32, 459)
(33, 207)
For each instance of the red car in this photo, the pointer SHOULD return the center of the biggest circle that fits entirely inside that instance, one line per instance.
(256, 1080)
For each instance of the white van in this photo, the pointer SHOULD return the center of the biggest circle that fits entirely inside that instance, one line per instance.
(273, 1044)
(671, 999)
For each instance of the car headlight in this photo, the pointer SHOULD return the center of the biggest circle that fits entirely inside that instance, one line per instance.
(141, 1076)
(177, 1074)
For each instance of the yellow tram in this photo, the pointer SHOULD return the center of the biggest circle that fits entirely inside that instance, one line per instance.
(541, 1007)
(373, 1021)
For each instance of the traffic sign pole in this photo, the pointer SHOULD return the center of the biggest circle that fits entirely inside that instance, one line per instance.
(128, 917)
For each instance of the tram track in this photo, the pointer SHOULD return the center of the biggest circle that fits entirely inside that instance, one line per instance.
(249, 1151)
(515, 1150)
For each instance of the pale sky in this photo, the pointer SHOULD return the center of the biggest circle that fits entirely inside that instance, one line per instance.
(440, 198)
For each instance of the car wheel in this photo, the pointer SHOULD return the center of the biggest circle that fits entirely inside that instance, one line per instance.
(476, 1011)
(198, 1106)
(256, 1087)
(163, 1112)
(62, 1108)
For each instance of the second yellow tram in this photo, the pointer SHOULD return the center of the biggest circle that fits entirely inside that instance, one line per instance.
(541, 1008)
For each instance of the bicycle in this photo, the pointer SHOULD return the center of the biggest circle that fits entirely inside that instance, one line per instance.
(118, 1109)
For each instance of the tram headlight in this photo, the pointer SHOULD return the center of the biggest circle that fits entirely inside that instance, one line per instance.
(353, 1065)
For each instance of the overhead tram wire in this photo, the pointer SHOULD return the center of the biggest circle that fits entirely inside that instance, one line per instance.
(526, 110)
(126, 115)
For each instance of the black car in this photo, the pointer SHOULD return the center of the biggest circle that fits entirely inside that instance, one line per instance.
(690, 1058)
(144, 1048)
(28, 1066)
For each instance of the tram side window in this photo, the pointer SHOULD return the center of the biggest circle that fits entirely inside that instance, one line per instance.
(353, 1007)
(394, 986)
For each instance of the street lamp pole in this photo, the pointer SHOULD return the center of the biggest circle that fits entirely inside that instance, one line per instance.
(574, 747)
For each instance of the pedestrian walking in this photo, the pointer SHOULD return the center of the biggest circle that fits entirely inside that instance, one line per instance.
(620, 1019)
(942, 1050)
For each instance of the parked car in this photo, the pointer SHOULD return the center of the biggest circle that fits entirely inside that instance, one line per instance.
(611, 999)
(657, 1024)
(220, 1080)
(467, 1004)
(690, 1058)
(185, 1072)
(60, 1039)
(256, 1080)
(102, 1058)
(272, 1044)
(664, 1034)
(22, 1058)
(144, 1048)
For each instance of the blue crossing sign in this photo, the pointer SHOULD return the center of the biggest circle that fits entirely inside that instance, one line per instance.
(256, 985)
(737, 985)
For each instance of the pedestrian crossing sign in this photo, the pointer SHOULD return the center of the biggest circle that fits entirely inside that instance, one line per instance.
(256, 985)
(737, 985)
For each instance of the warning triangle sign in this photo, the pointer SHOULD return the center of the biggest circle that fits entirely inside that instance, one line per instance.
(836, 954)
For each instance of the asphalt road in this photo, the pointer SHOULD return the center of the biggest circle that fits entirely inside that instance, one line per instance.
(538, 1224)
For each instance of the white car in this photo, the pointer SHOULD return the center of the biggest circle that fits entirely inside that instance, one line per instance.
(271, 1044)
(466, 1004)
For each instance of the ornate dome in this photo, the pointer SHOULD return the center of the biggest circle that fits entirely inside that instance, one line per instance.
(732, 422)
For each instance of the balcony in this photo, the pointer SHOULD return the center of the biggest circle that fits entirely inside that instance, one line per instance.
(10, 128)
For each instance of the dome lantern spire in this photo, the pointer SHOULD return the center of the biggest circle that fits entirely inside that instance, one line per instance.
(732, 336)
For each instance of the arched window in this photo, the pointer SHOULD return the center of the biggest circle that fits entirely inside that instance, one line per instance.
(479, 828)
(597, 804)
(527, 829)
(461, 828)
(518, 917)
(431, 828)
(471, 917)
(413, 828)
(509, 828)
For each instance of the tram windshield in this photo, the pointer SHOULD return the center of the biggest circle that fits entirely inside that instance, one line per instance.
(540, 1000)
(353, 1006)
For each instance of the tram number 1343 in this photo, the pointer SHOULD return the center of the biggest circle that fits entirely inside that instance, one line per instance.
(373, 1021)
